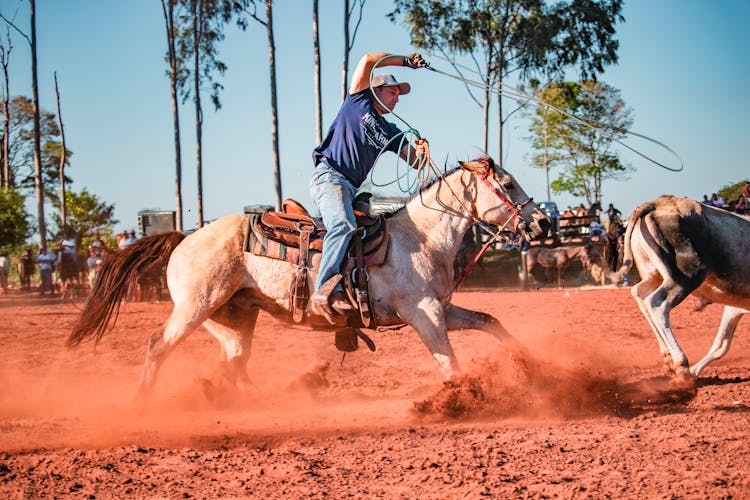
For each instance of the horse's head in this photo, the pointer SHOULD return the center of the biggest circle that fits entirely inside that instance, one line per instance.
(501, 201)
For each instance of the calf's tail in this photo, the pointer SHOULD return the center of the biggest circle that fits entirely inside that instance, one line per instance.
(627, 259)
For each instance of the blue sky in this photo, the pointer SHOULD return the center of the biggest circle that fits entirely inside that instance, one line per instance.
(683, 68)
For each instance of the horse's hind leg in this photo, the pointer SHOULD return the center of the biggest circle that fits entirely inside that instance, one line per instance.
(729, 321)
(233, 328)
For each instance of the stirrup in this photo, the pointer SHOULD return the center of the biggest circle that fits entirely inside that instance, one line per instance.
(323, 294)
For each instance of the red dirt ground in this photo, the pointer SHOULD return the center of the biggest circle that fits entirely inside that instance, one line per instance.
(569, 418)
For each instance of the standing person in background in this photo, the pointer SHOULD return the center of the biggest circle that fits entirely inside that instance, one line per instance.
(4, 271)
(122, 240)
(613, 214)
(554, 215)
(46, 263)
(358, 135)
(98, 246)
(94, 264)
(68, 253)
(132, 238)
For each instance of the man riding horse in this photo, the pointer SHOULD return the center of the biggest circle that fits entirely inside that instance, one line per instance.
(358, 135)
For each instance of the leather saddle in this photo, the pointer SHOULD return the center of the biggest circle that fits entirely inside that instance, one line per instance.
(289, 226)
(293, 235)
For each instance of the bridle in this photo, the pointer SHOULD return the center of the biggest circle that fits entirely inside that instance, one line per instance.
(515, 208)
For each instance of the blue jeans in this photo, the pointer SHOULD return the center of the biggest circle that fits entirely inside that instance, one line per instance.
(334, 195)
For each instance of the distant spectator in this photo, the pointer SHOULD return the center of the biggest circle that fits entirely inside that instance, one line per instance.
(4, 270)
(68, 251)
(718, 201)
(706, 201)
(97, 245)
(742, 206)
(132, 238)
(123, 240)
(566, 218)
(596, 229)
(581, 211)
(94, 264)
(746, 190)
(46, 263)
(554, 215)
(595, 209)
(613, 214)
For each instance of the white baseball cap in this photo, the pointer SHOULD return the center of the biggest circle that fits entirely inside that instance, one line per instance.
(386, 80)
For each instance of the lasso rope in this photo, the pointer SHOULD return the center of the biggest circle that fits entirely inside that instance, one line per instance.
(425, 166)
(507, 90)
(404, 138)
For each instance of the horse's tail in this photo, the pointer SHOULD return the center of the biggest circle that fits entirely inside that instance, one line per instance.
(627, 260)
(118, 272)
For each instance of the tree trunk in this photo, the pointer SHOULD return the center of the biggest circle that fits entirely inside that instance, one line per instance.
(486, 111)
(347, 48)
(499, 70)
(6, 117)
(546, 151)
(316, 57)
(38, 179)
(197, 33)
(169, 22)
(274, 108)
(63, 202)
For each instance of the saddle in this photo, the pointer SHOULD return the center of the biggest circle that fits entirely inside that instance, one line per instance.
(294, 236)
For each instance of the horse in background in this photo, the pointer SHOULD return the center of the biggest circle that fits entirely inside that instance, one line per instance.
(25, 268)
(556, 258)
(149, 285)
(69, 276)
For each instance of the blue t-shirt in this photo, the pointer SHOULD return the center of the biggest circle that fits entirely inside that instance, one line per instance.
(356, 137)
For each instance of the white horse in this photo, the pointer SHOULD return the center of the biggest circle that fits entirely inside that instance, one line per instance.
(214, 283)
(681, 248)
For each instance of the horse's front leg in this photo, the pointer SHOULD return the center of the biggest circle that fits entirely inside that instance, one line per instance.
(459, 318)
(428, 319)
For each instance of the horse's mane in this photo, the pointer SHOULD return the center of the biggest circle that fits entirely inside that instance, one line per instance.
(424, 187)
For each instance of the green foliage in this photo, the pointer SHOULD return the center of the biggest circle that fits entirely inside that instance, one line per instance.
(21, 148)
(200, 26)
(731, 192)
(15, 222)
(86, 215)
(525, 36)
(576, 131)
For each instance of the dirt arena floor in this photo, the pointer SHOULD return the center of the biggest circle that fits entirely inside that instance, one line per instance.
(582, 414)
